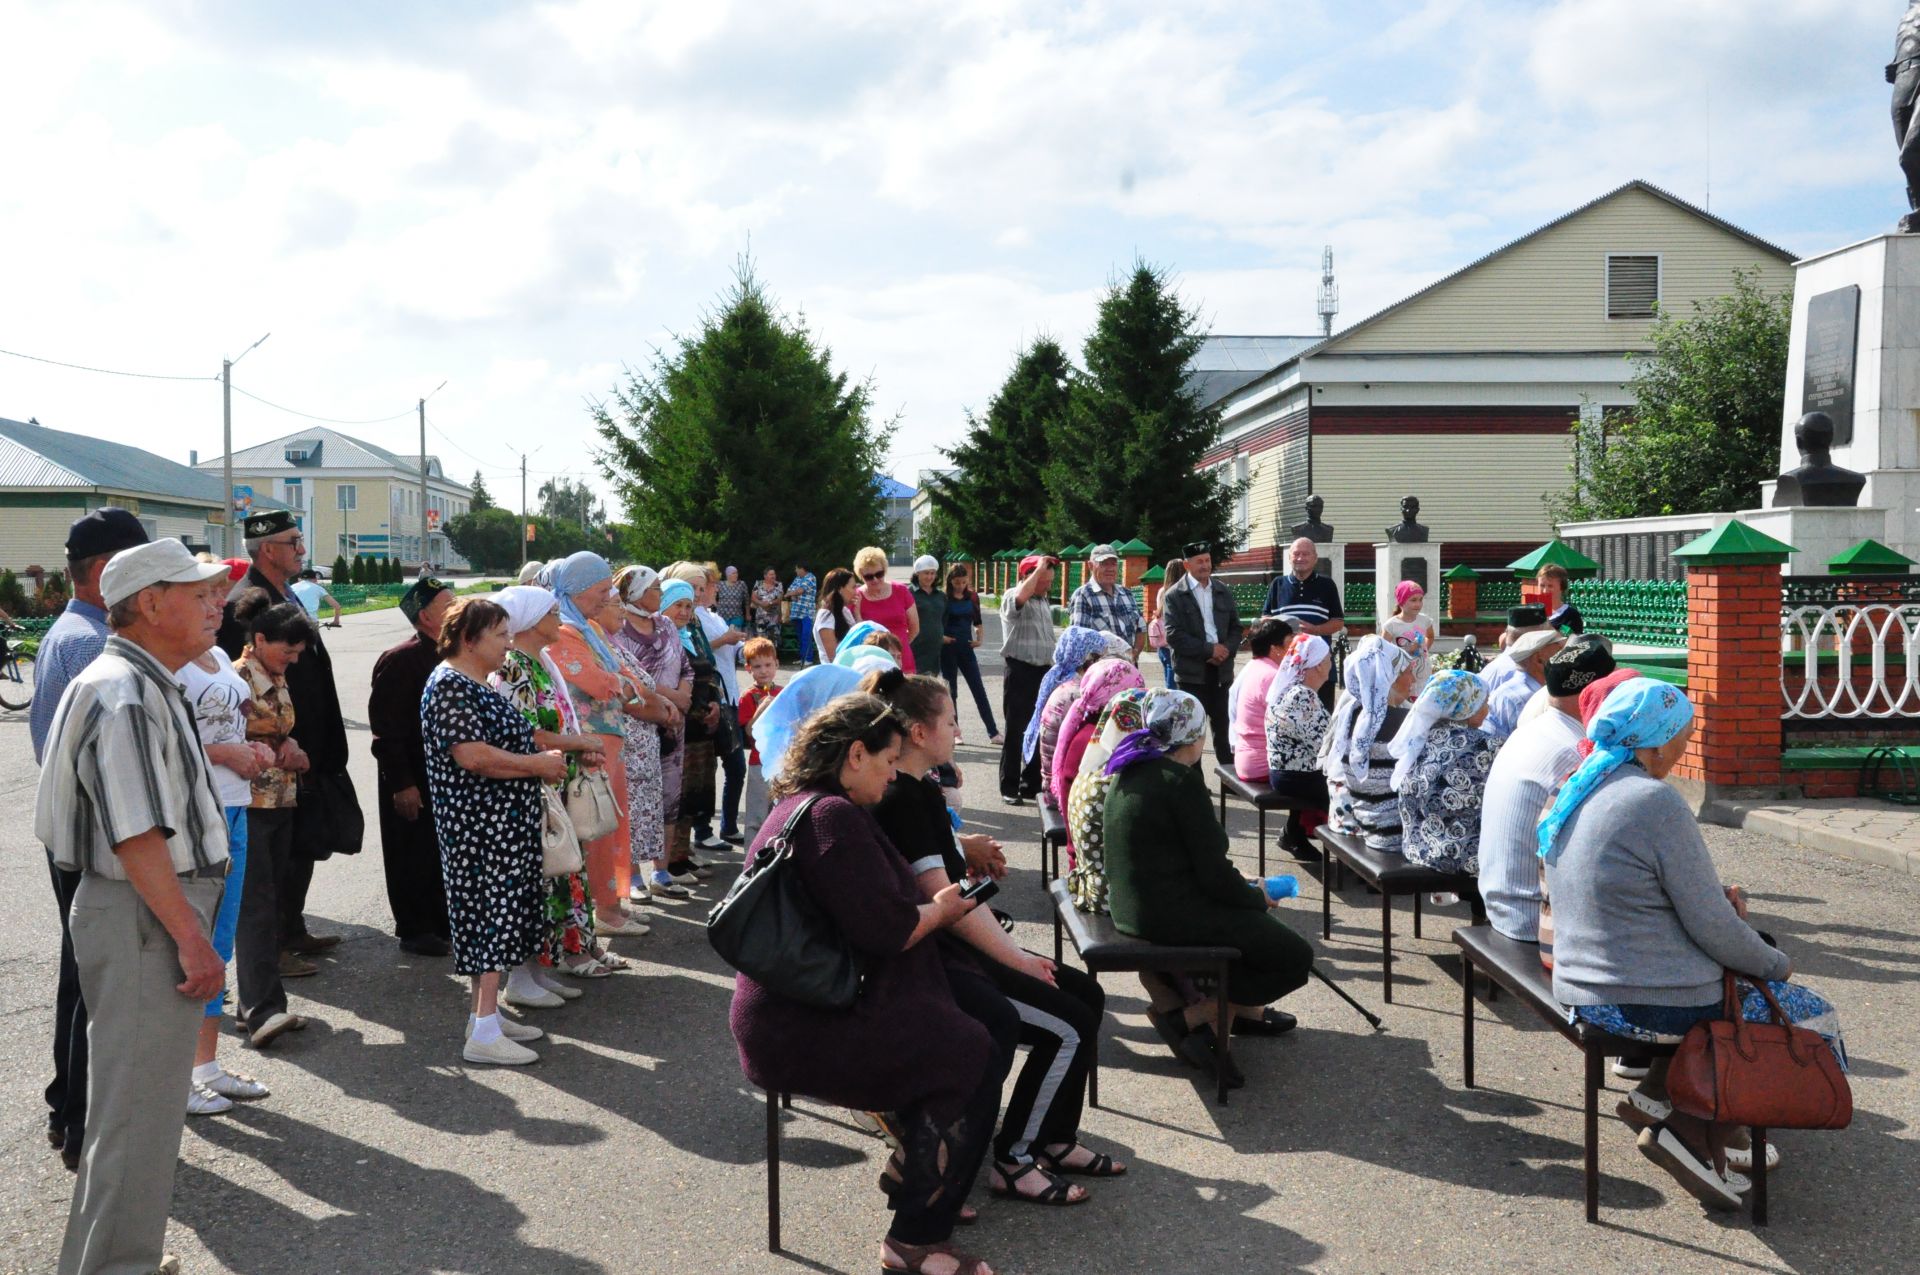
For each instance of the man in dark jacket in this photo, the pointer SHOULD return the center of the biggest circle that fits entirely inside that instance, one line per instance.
(416, 893)
(278, 551)
(1203, 628)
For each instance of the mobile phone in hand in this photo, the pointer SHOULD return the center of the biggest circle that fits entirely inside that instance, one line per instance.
(980, 891)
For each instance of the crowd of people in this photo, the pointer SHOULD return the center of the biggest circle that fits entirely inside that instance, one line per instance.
(552, 757)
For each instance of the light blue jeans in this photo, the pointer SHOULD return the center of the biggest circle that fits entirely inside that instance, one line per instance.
(227, 920)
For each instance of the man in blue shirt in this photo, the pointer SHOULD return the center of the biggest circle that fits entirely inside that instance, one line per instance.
(802, 595)
(1307, 600)
(75, 641)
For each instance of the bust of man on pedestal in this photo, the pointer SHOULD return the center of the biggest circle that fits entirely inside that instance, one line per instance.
(1313, 529)
(1816, 482)
(1408, 531)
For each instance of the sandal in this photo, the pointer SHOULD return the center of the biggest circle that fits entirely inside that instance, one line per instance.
(611, 963)
(1058, 1191)
(583, 966)
(1099, 1165)
(911, 1259)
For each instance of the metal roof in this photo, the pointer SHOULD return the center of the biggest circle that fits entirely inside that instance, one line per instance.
(35, 456)
(1223, 364)
(890, 489)
(331, 450)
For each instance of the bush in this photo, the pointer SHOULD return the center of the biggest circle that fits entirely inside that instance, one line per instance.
(342, 573)
(13, 595)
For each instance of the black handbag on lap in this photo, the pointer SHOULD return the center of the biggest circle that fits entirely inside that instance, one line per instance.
(769, 928)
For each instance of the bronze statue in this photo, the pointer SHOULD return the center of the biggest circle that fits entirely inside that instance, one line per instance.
(1904, 74)
(1313, 529)
(1816, 481)
(1408, 531)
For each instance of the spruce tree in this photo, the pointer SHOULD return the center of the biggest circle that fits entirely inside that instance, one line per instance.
(741, 443)
(482, 498)
(996, 498)
(342, 573)
(1125, 461)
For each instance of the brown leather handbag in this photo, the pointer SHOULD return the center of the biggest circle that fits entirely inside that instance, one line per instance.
(1772, 1075)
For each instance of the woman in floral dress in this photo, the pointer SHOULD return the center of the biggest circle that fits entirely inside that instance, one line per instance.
(653, 644)
(766, 607)
(1440, 773)
(646, 712)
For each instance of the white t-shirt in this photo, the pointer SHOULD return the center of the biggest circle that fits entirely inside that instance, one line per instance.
(725, 658)
(309, 592)
(219, 703)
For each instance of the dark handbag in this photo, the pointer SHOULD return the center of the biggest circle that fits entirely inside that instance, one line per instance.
(329, 821)
(1769, 1075)
(769, 928)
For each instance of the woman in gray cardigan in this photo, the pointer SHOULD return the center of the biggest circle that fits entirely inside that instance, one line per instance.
(1643, 928)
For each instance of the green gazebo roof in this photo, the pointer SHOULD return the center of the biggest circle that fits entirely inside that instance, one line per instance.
(1460, 572)
(1734, 544)
(959, 555)
(1136, 547)
(1071, 551)
(1869, 557)
(1154, 576)
(1560, 554)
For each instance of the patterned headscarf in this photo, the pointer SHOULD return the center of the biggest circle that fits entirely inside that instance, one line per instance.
(1126, 714)
(1371, 670)
(1174, 720)
(634, 582)
(1098, 686)
(574, 574)
(525, 606)
(1452, 696)
(1639, 713)
(816, 686)
(854, 641)
(1070, 651)
(1306, 651)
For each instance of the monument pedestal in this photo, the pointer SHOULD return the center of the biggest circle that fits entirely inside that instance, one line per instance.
(1333, 562)
(1391, 562)
(1854, 353)
(1819, 534)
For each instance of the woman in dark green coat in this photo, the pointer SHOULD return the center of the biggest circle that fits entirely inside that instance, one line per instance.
(1170, 881)
(930, 600)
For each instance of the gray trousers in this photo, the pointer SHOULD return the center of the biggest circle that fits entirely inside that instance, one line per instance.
(140, 1035)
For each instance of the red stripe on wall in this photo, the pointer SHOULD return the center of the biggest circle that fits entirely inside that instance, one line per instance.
(1291, 426)
(1443, 420)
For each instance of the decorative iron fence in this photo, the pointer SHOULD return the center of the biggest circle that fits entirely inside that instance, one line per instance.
(1644, 612)
(1850, 661)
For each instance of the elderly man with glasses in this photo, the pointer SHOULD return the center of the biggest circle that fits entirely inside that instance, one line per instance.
(278, 552)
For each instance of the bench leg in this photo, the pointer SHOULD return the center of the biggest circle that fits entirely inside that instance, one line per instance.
(1466, 1018)
(1056, 933)
(786, 1102)
(1222, 1032)
(1416, 916)
(1386, 946)
(773, 1172)
(1093, 1079)
(1263, 842)
(1592, 1117)
(1326, 904)
(1759, 1201)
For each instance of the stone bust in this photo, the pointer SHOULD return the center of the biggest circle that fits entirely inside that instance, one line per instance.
(1904, 74)
(1816, 482)
(1313, 529)
(1408, 531)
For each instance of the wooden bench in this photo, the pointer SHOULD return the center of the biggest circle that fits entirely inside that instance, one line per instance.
(1516, 966)
(1053, 839)
(1390, 874)
(1256, 794)
(1104, 949)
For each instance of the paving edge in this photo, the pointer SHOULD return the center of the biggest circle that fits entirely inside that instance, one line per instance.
(1786, 826)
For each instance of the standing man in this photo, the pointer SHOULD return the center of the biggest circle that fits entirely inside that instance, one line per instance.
(313, 595)
(278, 550)
(127, 801)
(416, 893)
(803, 595)
(1203, 628)
(74, 642)
(1026, 648)
(1102, 604)
(1307, 600)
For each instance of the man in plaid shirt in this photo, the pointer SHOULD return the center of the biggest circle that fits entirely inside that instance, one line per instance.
(1101, 603)
(803, 594)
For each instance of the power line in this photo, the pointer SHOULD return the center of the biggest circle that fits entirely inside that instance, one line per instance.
(485, 464)
(327, 420)
(107, 371)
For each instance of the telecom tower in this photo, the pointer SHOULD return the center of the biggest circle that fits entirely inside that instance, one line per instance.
(1329, 292)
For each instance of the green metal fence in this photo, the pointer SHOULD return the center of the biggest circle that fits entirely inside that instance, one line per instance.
(1644, 612)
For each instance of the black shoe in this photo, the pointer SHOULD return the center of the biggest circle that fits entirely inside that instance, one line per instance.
(1198, 1049)
(1273, 1023)
(1172, 1026)
(1013, 801)
(426, 945)
(70, 1150)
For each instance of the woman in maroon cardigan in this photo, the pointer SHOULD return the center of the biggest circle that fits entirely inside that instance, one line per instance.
(904, 1047)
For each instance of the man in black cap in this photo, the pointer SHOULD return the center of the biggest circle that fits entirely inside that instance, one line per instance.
(416, 891)
(75, 640)
(1203, 628)
(278, 551)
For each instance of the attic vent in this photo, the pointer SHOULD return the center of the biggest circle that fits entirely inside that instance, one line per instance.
(1633, 286)
(301, 451)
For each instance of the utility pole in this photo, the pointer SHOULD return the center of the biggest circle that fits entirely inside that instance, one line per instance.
(523, 494)
(423, 487)
(226, 438)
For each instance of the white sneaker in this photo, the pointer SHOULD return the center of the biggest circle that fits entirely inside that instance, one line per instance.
(236, 1085)
(202, 1101)
(500, 1053)
(1626, 1071)
(511, 1029)
(542, 999)
(555, 986)
(1660, 1145)
(628, 927)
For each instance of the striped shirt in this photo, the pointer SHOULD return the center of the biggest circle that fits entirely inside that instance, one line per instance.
(1093, 607)
(123, 758)
(73, 642)
(1314, 600)
(1026, 631)
(1535, 760)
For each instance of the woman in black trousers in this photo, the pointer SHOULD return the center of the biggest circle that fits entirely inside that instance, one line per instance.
(1020, 997)
(963, 633)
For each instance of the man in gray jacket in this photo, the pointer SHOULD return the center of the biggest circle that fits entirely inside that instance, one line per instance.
(1203, 630)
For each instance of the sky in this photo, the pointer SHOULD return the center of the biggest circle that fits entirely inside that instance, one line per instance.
(523, 201)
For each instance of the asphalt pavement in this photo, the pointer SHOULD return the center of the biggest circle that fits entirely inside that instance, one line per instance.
(635, 1145)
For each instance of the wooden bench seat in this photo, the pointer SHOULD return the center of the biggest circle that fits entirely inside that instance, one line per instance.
(1516, 966)
(1390, 874)
(1256, 794)
(1104, 949)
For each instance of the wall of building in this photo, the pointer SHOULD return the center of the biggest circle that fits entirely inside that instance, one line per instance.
(33, 529)
(1472, 486)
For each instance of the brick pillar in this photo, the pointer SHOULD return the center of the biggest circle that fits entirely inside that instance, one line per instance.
(1733, 661)
(1132, 567)
(1463, 599)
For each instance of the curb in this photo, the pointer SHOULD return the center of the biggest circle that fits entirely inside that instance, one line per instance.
(1785, 824)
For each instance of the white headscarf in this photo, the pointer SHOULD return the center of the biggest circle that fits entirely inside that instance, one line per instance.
(530, 571)
(525, 605)
(1453, 695)
(1305, 652)
(1371, 670)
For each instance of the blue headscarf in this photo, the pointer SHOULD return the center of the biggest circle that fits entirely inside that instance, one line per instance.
(815, 688)
(1452, 696)
(572, 576)
(855, 640)
(678, 591)
(1070, 651)
(1640, 713)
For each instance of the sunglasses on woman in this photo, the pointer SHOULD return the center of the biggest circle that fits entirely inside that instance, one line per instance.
(870, 578)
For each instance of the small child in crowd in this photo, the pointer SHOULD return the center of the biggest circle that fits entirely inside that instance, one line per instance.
(763, 664)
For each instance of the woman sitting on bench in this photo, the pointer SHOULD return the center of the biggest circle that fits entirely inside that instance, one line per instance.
(1643, 928)
(1296, 723)
(1098, 686)
(1267, 643)
(1354, 756)
(1170, 881)
(1440, 774)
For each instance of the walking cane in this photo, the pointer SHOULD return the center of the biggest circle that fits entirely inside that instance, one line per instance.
(1358, 1008)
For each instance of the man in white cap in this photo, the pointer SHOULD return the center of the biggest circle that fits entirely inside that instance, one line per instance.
(1528, 655)
(127, 800)
(1102, 604)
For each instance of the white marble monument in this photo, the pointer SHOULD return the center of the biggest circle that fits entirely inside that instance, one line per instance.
(1389, 569)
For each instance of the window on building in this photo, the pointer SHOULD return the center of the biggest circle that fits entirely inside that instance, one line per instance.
(1633, 285)
(294, 492)
(346, 497)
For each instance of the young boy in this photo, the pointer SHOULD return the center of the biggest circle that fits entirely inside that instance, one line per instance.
(1553, 580)
(763, 664)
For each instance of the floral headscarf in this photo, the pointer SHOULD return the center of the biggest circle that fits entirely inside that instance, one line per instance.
(1070, 651)
(1371, 671)
(1174, 720)
(1639, 713)
(1306, 651)
(1595, 695)
(816, 686)
(1452, 696)
(1098, 686)
(1126, 714)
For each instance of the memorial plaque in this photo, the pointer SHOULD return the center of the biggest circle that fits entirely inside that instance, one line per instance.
(1833, 343)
